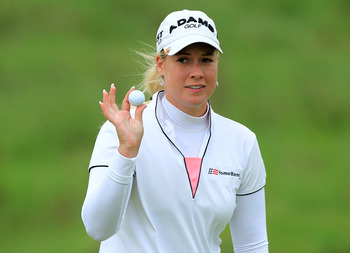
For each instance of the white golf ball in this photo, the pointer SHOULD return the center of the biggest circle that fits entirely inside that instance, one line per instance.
(136, 98)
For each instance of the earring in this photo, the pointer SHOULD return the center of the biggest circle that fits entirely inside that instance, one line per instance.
(217, 83)
(161, 81)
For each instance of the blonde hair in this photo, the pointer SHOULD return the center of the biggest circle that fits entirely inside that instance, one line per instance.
(151, 79)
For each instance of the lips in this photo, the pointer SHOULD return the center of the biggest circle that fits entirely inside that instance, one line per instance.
(195, 87)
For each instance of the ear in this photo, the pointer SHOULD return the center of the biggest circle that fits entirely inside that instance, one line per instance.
(160, 65)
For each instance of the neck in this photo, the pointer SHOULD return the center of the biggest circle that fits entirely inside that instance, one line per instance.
(192, 110)
(183, 120)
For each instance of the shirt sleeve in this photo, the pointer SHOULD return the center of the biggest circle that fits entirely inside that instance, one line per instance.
(106, 146)
(248, 224)
(109, 188)
(254, 174)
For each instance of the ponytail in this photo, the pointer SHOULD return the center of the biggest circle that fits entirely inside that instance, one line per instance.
(151, 77)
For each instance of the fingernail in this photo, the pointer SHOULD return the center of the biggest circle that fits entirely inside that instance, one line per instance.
(104, 91)
(99, 102)
(112, 85)
(133, 87)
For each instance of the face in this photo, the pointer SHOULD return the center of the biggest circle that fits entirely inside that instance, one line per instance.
(190, 77)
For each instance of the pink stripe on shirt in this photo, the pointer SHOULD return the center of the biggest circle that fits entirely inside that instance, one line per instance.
(193, 166)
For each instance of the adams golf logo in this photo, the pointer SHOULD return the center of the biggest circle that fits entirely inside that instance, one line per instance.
(217, 172)
(191, 22)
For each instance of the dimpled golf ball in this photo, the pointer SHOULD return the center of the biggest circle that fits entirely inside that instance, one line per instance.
(136, 98)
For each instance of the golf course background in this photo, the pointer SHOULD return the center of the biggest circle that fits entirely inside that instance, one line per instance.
(284, 73)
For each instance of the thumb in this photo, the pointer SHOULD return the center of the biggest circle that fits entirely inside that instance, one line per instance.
(139, 112)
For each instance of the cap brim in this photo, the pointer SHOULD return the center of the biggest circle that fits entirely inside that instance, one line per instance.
(181, 43)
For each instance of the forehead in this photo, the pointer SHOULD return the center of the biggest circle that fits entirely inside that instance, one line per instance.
(201, 47)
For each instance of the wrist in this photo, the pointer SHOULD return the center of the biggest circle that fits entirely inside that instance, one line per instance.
(128, 152)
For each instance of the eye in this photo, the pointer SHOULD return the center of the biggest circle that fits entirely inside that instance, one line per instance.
(182, 60)
(207, 60)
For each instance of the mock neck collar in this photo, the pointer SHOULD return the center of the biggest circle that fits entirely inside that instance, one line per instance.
(183, 120)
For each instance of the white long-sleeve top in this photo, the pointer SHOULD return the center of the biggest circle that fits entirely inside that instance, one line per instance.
(163, 201)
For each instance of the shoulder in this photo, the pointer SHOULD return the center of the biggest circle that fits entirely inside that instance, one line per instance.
(107, 136)
(105, 146)
(107, 128)
(231, 128)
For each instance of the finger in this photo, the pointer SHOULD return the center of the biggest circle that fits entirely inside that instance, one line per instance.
(102, 105)
(112, 92)
(105, 105)
(126, 103)
(105, 97)
(103, 109)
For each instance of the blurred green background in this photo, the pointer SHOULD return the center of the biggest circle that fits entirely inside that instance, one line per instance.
(284, 73)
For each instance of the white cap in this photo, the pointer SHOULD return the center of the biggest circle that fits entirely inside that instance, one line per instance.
(182, 28)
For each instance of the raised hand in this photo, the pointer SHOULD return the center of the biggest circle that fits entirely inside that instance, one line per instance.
(129, 130)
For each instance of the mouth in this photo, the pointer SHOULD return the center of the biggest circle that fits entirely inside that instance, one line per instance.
(195, 87)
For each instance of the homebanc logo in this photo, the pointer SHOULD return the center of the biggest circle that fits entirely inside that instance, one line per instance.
(217, 172)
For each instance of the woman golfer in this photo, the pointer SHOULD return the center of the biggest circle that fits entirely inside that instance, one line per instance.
(169, 176)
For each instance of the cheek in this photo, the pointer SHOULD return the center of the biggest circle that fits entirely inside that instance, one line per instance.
(175, 76)
(212, 75)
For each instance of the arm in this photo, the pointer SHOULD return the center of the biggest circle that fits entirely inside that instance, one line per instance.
(248, 224)
(107, 198)
(110, 182)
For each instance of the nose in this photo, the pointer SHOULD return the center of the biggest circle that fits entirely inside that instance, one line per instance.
(197, 72)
